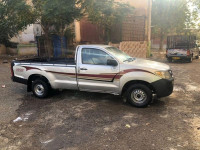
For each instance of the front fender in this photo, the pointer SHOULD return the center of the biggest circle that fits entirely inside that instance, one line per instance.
(138, 76)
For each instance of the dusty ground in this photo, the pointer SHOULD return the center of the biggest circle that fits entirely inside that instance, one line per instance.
(73, 120)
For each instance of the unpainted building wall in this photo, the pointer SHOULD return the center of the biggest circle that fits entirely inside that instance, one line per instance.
(2, 49)
(90, 32)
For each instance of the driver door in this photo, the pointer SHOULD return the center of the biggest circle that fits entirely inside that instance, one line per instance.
(94, 74)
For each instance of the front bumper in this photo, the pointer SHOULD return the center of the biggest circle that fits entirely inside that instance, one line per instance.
(163, 87)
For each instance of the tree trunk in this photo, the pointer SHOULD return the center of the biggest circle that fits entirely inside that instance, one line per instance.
(107, 34)
(61, 40)
(161, 40)
(62, 44)
(48, 45)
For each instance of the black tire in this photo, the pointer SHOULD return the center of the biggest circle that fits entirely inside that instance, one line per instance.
(139, 95)
(197, 57)
(40, 88)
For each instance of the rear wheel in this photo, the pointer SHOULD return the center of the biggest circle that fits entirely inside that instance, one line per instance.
(40, 88)
(139, 95)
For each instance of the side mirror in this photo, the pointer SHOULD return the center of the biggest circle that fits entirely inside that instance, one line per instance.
(112, 62)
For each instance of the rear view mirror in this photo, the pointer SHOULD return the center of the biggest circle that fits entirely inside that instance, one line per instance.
(112, 62)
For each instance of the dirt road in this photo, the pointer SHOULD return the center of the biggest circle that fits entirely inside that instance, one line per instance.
(73, 120)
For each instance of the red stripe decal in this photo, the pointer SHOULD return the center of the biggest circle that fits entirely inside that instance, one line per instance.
(110, 76)
(30, 68)
(119, 75)
(61, 73)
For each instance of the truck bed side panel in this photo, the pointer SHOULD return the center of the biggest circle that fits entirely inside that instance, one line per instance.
(60, 76)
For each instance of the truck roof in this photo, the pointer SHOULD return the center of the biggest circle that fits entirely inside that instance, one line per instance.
(95, 45)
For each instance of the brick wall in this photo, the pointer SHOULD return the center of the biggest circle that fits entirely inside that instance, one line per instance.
(134, 49)
(133, 28)
(114, 45)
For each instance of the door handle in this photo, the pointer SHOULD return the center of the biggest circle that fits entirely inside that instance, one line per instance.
(83, 69)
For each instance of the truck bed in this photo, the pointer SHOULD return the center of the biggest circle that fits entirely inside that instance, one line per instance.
(67, 61)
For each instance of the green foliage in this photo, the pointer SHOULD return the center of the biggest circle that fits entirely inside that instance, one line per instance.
(15, 15)
(56, 15)
(107, 13)
(169, 16)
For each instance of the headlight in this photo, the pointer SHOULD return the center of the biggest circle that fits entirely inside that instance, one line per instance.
(163, 74)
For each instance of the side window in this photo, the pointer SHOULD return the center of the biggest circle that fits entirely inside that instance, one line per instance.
(94, 56)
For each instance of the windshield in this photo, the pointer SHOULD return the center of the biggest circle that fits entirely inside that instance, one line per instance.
(120, 55)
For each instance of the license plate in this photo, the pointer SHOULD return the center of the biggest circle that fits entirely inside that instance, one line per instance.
(175, 58)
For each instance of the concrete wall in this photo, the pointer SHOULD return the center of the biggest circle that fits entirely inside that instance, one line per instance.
(157, 46)
(2, 49)
(77, 31)
(11, 51)
(26, 36)
(24, 50)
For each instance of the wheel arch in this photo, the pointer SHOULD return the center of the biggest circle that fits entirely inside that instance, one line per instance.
(34, 77)
(128, 84)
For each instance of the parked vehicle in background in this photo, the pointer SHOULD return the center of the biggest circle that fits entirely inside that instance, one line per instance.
(97, 68)
(182, 48)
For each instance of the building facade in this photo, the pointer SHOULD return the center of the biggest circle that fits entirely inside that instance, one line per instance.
(135, 31)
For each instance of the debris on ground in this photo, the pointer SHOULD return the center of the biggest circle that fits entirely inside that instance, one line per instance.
(128, 126)
(3, 86)
(46, 142)
(17, 120)
(198, 128)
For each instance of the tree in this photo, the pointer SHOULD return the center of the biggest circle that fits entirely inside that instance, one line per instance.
(107, 13)
(56, 16)
(195, 10)
(169, 17)
(15, 16)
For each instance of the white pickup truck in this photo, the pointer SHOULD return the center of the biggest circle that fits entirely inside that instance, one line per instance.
(97, 68)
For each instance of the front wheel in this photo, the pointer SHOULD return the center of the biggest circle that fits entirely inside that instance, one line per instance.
(139, 95)
(40, 88)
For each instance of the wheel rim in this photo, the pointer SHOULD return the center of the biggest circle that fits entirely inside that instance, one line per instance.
(39, 89)
(138, 96)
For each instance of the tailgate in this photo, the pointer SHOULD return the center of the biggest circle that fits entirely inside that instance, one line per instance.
(176, 52)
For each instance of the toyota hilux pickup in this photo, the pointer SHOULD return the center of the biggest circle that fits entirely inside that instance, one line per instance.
(182, 47)
(97, 68)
